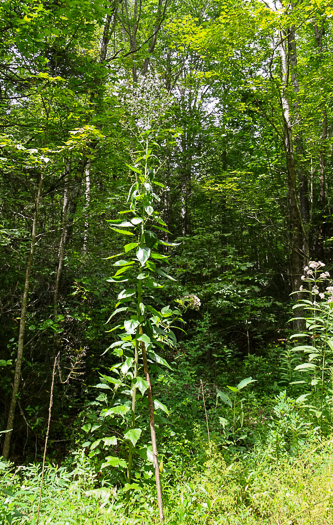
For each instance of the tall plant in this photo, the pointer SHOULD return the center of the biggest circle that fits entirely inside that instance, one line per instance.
(145, 328)
(316, 307)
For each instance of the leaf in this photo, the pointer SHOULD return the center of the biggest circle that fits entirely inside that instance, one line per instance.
(143, 255)
(144, 338)
(306, 366)
(130, 246)
(110, 441)
(133, 435)
(302, 398)
(119, 410)
(123, 309)
(245, 382)
(154, 311)
(158, 183)
(304, 348)
(131, 325)
(150, 238)
(103, 386)
(169, 243)
(149, 210)
(158, 359)
(141, 384)
(111, 379)
(161, 272)
(130, 486)
(224, 422)
(161, 406)
(113, 461)
(121, 270)
(127, 365)
(124, 232)
(166, 311)
(136, 220)
(226, 399)
(133, 168)
(122, 262)
(86, 427)
(124, 294)
(232, 388)
(95, 444)
(156, 255)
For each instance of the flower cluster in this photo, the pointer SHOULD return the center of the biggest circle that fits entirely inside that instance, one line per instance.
(190, 301)
(147, 100)
(314, 278)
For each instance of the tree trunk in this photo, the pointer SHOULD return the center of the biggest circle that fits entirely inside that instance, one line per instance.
(323, 233)
(296, 224)
(87, 198)
(20, 347)
(61, 251)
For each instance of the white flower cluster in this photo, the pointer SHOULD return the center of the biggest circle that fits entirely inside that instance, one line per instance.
(147, 100)
(191, 301)
(311, 276)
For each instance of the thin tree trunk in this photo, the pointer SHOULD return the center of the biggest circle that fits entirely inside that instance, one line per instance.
(20, 347)
(323, 234)
(61, 251)
(159, 18)
(87, 198)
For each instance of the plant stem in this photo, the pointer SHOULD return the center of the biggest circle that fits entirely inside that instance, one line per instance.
(204, 404)
(152, 431)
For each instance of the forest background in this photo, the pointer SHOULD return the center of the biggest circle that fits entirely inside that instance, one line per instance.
(201, 133)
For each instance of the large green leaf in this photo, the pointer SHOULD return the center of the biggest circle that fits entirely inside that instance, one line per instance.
(150, 238)
(124, 294)
(306, 366)
(130, 246)
(131, 325)
(110, 441)
(122, 309)
(141, 384)
(144, 338)
(133, 435)
(226, 399)
(143, 255)
(161, 406)
(119, 410)
(113, 461)
(124, 232)
(245, 382)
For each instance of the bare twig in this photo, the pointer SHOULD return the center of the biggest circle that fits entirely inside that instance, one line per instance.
(47, 435)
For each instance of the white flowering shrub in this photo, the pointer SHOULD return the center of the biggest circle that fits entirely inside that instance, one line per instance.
(316, 307)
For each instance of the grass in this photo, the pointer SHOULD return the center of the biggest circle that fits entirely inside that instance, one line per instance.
(253, 489)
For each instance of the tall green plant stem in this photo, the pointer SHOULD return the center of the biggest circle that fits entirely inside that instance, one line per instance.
(20, 347)
(134, 390)
(152, 431)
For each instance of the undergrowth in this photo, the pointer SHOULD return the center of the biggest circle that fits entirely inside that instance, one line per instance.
(251, 489)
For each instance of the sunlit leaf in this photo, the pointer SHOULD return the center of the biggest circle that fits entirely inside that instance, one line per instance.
(133, 435)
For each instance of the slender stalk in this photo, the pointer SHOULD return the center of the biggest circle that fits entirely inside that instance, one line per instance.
(204, 404)
(47, 436)
(152, 431)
